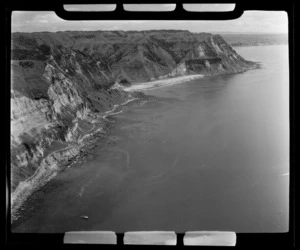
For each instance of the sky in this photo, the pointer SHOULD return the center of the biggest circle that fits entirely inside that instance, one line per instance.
(249, 22)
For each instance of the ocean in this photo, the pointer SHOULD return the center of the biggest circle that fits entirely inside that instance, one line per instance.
(211, 153)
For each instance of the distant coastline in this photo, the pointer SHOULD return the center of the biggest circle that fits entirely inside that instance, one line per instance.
(256, 44)
(252, 39)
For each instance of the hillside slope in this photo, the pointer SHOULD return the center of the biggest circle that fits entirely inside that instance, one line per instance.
(138, 56)
(62, 81)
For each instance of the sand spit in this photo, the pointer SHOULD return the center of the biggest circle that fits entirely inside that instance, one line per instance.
(162, 83)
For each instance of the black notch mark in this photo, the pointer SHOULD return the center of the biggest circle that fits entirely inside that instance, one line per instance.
(180, 239)
(120, 239)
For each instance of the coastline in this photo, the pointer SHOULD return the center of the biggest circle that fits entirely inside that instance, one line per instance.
(94, 196)
(61, 159)
(255, 45)
(162, 82)
(49, 167)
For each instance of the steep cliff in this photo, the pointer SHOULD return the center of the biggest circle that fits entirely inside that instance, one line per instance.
(139, 56)
(62, 82)
(56, 94)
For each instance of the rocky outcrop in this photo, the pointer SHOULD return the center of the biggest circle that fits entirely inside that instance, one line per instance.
(136, 56)
(50, 92)
(61, 81)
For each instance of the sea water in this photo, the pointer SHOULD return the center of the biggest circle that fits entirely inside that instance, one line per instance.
(207, 154)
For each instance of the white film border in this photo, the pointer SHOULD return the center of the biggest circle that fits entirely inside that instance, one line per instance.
(192, 238)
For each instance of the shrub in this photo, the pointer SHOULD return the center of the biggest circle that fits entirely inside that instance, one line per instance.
(45, 50)
(26, 64)
(125, 82)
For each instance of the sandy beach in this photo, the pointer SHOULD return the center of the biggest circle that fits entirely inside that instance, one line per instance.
(161, 83)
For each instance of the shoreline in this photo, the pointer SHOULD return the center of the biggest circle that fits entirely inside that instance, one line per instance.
(169, 81)
(61, 159)
(161, 82)
(64, 158)
(255, 45)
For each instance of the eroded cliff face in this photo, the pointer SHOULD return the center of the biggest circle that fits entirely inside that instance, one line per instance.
(139, 56)
(54, 100)
(62, 81)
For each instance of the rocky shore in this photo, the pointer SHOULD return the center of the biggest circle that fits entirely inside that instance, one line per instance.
(65, 84)
(62, 158)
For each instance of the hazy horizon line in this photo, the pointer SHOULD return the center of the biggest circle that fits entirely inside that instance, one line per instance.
(113, 30)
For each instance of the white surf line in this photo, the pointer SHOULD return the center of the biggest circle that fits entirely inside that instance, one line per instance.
(86, 185)
(141, 104)
(162, 174)
(109, 112)
(113, 109)
(117, 105)
(36, 171)
(128, 101)
(115, 113)
(86, 134)
(127, 156)
(90, 129)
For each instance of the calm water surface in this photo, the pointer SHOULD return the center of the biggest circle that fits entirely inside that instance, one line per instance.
(209, 154)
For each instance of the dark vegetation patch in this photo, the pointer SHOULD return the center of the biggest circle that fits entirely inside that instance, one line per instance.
(83, 36)
(26, 64)
(118, 53)
(41, 53)
(125, 82)
(37, 94)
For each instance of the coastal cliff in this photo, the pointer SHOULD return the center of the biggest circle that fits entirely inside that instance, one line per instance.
(63, 82)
